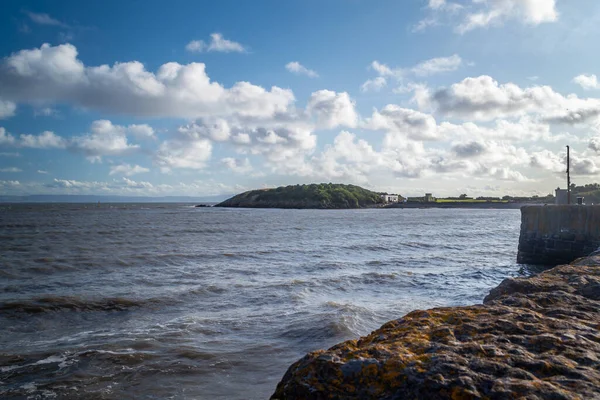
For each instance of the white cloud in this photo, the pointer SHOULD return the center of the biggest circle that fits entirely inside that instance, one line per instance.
(296, 68)
(374, 85)
(332, 109)
(217, 130)
(43, 172)
(183, 154)
(424, 24)
(196, 46)
(484, 13)
(581, 165)
(437, 65)
(483, 98)
(45, 19)
(587, 82)
(237, 165)
(425, 68)
(217, 43)
(142, 131)
(11, 169)
(127, 170)
(54, 74)
(7, 109)
(410, 123)
(5, 137)
(104, 139)
(495, 12)
(45, 140)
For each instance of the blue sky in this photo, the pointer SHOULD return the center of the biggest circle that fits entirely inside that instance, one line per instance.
(205, 98)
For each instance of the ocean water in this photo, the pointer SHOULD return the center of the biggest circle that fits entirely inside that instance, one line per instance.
(166, 301)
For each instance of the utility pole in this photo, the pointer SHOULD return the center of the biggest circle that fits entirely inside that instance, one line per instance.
(568, 177)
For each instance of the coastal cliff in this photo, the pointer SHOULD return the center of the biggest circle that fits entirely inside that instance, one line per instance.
(321, 196)
(532, 338)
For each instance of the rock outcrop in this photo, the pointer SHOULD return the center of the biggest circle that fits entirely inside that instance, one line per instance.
(532, 338)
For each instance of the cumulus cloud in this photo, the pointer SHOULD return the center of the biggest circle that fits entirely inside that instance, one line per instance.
(485, 13)
(236, 165)
(470, 149)
(142, 131)
(104, 139)
(581, 165)
(437, 65)
(54, 74)
(7, 109)
(483, 98)
(183, 154)
(587, 82)
(494, 12)
(425, 68)
(411, 123)
(332, 109)
(217, 130)
(45, 140)
(117, 186)
(373, 85)
(6, 138)
(296, 68)
(217, 43)
(127, 170)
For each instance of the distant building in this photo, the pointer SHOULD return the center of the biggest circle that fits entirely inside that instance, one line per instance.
(390, 198)
(561, 196)
(429, 198)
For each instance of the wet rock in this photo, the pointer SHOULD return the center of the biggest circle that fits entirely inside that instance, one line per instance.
(533, 338)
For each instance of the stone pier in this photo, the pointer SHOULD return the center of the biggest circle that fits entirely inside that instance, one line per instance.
(558, 234)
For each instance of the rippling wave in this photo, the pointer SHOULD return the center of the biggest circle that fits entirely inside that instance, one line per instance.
(172, 301)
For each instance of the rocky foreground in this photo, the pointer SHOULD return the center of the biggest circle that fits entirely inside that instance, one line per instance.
(533, 338)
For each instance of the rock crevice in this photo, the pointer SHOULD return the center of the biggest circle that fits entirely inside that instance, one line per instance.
(532, 338)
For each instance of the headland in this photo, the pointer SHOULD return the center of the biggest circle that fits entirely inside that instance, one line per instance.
(341, 196)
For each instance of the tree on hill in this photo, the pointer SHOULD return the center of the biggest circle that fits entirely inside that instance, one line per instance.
(324, 195)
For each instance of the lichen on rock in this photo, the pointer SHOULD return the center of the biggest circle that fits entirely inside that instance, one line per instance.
(533, 338)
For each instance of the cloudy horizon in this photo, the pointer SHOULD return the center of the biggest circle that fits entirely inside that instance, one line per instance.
(434, 96)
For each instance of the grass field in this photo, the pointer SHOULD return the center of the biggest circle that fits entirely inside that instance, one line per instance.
(469, 201)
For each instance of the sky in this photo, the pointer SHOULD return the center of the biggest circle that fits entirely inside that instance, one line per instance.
(202, 98)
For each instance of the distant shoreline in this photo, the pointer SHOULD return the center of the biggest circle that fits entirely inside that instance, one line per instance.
(484, 205)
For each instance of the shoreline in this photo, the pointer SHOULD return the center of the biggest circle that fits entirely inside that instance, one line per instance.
(535, 337)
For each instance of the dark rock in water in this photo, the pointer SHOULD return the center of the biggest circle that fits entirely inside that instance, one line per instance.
(202, 205)
(533, 338)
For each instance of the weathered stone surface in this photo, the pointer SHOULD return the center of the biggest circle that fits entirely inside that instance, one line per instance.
(533, 338)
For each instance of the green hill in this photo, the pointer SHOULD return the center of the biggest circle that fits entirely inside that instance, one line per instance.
(324, 196)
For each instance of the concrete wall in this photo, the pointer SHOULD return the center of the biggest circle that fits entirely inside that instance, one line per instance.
(553, 235)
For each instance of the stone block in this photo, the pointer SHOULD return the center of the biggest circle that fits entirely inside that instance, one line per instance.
(569, 236)
(561, 245)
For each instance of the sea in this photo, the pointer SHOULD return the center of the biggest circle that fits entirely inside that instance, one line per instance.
(170, 301)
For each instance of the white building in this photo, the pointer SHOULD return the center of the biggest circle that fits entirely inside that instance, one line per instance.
(561, 196)
(390, 198)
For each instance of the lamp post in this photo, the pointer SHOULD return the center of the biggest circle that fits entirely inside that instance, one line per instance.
(568, 177)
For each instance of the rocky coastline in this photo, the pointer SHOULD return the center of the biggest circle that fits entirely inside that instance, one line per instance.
(532, 338)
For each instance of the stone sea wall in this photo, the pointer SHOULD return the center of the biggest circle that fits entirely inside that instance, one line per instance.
(532, 338)
(553, 235)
